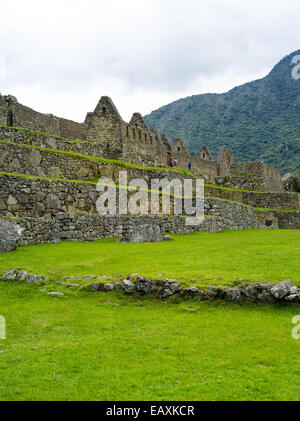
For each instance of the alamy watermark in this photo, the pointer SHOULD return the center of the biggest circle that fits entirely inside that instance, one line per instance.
(296, 69)
(2, 328)
(154, 199)
(296, 329)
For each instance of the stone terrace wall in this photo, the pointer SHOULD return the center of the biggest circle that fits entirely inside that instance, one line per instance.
(83, 227)
(135, 143)
(85, 148)
(272, 200)
(268, 178)
(288, 200)
(277, 219)
(288, 220)
(22, 197)
(37, 197)
(38, 162)
(32, 161)
(251, 182)
(27, 137)
(226, 215)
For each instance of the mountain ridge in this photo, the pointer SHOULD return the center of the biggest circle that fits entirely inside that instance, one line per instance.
(259, 120)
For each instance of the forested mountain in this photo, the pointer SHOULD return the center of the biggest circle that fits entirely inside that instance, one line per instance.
(259, 120)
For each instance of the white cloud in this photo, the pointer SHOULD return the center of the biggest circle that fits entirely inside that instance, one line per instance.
(61, 56)
(2, 68)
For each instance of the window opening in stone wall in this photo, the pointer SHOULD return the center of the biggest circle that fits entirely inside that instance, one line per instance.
(10, 118)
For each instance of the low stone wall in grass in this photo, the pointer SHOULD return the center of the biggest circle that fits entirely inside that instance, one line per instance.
(282, 293)
(83, 227)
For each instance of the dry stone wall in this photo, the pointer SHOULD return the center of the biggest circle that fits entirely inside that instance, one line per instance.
(39, 162)
(260, 176)
(19, 115)
(287, 200)
(84, 227)
(133, 142)
(251, 182)
(24, 197)
(45, 140)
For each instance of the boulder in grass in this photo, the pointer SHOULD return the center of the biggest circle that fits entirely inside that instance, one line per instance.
(128, 286)
(282, 289)
(10, 275)
(233, 294)
(10, 235)
(34, 279)
(142, 234)
(56, 294)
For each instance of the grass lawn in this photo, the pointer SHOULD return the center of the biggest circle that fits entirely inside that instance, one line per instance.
(199, 258)
(84, 347)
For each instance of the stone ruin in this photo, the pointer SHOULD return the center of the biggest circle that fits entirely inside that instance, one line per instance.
(48, 168)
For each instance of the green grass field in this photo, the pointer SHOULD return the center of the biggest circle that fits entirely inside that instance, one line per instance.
(198, 258)
(96, 346)
(86, 346)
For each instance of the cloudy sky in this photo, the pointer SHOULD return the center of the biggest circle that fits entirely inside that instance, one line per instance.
(60, 56)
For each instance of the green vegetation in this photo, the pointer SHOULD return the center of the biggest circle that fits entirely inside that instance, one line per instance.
(199, 258)
(278, 210)
(95, 346)
(38, 177)
(95, 181)
(121, 164)
(256, 120)
(232, 189)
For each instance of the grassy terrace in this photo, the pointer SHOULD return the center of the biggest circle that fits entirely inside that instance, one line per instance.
(94, 182)
(88, 346)
(123, 164)
(277, 210)
(95, 346)
(98, 159)
(253, 255)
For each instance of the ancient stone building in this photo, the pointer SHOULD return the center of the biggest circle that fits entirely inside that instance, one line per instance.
(136, 143)
(49, 169)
